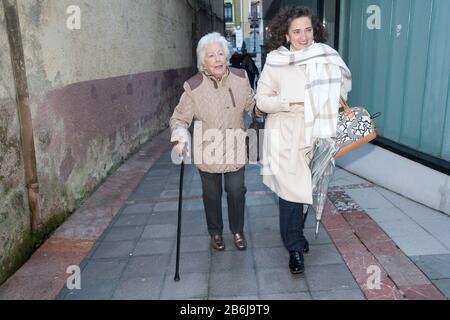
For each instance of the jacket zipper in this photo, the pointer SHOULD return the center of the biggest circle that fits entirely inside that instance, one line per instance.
(232, 97)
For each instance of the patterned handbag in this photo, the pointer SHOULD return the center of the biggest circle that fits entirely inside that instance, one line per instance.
(355, 128)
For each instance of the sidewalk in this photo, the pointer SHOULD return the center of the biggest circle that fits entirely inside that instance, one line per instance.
(124, 240)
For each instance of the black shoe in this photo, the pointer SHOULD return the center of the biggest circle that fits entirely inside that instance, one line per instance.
(296, 262)
(306, 247)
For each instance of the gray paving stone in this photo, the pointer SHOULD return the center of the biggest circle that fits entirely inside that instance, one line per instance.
(153, 181)
(270, 239)
(253, 178)
(173, 184)
(409, 207)
(191, 285)
(155, 231)
(271, 258)
(145, 266)
(137, 208)
(193, 205)
(131, 220)
(196, 184)
(250, 297)
(194, 191)
(322, 237)
(151, 187)
(412, 245)
(143, 288)
(237, 283)
(329, 277)
(444, 286)
(166, 206)
(434, 266)
(159, 173)
(393, 215)
(287, 296)
(103, 270)
(263, 211)
(322, 254)
(194, 243)
(437, 225)
(193, 228)
(252, 200)
(166, 217)
(191, 262)
(116, 249)
(261, 225)
(169, 193)
(369, 199)
(232, 261)
(124, 233)
(402, 228)
(351, 294)
(443, 238)
(162, 166)
(311, 220)
(154, 246)
(280, 280)
(194, 216)
(92, 290)
(256, 187)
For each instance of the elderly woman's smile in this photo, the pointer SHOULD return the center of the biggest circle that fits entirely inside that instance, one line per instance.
(215, 60)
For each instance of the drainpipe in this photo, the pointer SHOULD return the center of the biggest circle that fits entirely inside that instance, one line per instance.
(23, 109)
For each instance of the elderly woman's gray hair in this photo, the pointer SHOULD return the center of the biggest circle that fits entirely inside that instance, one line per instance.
(204, 42)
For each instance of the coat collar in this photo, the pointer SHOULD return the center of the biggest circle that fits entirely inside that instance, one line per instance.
(216, 82)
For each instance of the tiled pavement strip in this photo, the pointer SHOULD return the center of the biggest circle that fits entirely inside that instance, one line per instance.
(123, 238)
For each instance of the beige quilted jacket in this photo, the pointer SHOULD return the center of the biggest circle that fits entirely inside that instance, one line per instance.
(217, 109)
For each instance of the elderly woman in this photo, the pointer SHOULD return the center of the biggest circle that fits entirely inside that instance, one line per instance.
(299, 89)
(216, 98)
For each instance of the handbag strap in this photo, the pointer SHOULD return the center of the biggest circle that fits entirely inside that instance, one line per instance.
(346, 107)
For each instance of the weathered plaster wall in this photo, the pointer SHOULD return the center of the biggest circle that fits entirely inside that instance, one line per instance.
(14, 213)
(96, 94)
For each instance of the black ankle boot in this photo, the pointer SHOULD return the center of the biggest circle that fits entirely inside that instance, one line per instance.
(296, 262)
(306, 247)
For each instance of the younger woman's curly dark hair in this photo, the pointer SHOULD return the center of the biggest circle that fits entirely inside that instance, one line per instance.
(279, 26)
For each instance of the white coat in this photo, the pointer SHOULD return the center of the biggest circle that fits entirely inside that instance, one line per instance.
(286, 156)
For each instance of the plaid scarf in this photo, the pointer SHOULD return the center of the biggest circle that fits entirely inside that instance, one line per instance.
(326, 72)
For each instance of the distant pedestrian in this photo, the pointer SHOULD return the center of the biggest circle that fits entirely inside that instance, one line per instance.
(252, 70)
(217, 97)
(236, 60)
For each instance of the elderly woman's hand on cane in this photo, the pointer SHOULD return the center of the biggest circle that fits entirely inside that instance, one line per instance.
(182, 150)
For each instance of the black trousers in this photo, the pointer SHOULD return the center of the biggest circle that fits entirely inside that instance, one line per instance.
(212, 200)
(291, 225)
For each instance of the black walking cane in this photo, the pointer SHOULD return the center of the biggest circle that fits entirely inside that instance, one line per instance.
(180, 203)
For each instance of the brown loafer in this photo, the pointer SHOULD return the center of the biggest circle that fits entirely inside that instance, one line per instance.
(217, 242)
(239, 241)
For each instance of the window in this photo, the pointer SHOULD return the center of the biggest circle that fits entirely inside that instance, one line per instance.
(228, 14)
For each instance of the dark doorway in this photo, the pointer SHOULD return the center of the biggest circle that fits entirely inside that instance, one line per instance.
(329, 12)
